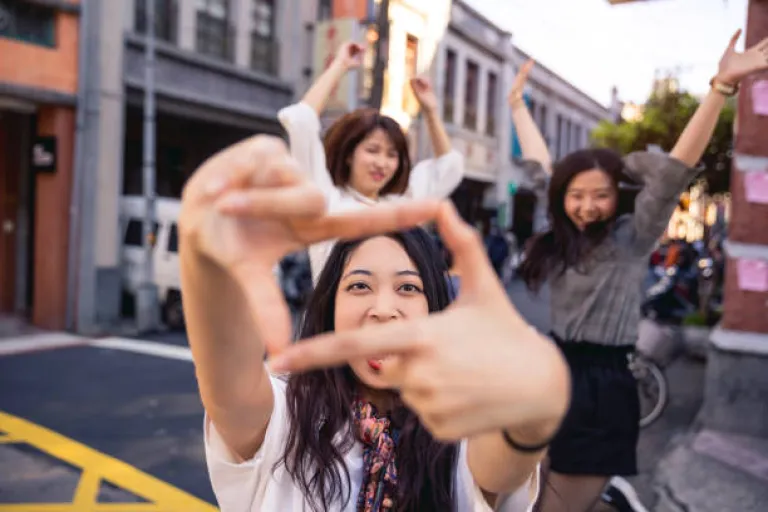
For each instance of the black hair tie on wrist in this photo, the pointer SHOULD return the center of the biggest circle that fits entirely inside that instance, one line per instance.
(524, 448)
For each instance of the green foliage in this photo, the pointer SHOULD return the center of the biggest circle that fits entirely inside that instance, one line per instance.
(663, 120)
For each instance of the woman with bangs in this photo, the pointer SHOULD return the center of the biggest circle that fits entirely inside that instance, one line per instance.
(363, 159)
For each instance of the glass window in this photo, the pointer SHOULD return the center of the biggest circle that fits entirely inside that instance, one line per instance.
(213, 31)
(471, 95)
(449, 85)
(134, 233)
(173, 239)
(28, 22)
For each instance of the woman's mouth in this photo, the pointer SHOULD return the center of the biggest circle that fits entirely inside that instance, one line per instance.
(378, 176)
(375, 364)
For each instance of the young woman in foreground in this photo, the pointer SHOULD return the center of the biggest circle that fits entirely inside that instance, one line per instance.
(404, 403)
(594, 258)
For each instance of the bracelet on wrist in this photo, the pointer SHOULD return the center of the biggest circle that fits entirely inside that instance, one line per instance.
(723, 88)
(525, 448)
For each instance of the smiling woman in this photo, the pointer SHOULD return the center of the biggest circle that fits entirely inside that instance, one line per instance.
(363, 159)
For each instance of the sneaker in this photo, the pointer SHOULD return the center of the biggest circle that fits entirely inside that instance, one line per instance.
(622, 496)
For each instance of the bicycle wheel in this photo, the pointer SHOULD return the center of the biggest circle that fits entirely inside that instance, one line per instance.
(652, 390)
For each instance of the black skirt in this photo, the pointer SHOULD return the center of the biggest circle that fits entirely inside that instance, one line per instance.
(600, 431)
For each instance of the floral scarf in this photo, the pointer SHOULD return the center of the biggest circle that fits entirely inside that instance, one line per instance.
(379, 488)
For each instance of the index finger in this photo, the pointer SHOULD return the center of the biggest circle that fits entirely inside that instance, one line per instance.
(470, 256)
(335, 349)
(371, 221)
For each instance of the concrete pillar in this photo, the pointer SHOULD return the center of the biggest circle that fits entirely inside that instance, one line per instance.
(242, 22)
(52, 222)
(187, 24)
(736, 397)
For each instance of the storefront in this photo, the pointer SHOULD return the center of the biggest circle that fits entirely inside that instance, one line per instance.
(38, 85)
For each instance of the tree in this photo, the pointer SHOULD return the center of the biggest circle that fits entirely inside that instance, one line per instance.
(664, 116)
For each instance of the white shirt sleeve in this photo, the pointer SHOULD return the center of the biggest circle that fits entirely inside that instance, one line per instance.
(303, 127)
(521, 500)
(436, 178)
(239, 484)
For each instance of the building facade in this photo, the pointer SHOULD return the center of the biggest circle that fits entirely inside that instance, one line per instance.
(471, 80)
(74, 82)
(39, 46)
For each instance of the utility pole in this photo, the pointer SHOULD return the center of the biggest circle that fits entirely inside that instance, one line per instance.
(382, 54)
(147, 307)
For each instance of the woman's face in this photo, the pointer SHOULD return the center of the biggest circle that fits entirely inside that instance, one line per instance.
(590, 197)
(373, 163)
(379, 284)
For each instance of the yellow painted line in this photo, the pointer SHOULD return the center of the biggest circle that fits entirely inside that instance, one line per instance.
(6, 439)
(163, 496)
(87, 488)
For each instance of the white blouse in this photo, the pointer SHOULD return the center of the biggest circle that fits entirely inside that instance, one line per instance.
(434, 178)
(262, 484)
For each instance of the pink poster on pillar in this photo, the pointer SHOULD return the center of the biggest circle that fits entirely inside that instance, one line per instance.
(753, 275)
(756, 187)
(760, 97)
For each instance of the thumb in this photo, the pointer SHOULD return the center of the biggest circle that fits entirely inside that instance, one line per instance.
(734, 40)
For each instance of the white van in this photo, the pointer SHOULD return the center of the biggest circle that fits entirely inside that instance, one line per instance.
(165, 253)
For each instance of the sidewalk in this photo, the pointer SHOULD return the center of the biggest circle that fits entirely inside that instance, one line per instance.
(713, 471)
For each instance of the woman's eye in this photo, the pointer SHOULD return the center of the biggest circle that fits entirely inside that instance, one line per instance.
(410, 288)
(357, 287)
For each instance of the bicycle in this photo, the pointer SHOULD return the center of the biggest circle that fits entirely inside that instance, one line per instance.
(652, 388)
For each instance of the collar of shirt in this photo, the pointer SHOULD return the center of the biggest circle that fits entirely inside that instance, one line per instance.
(354, 194)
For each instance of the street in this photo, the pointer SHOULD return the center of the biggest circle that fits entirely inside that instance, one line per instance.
(130, 409)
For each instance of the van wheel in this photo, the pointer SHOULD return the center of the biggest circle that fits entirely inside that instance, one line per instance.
(173, 313)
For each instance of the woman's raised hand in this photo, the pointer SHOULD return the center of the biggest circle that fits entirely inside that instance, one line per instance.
(734, 65)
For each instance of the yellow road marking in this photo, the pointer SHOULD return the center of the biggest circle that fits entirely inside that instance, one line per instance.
(87, 489)
(97, 466)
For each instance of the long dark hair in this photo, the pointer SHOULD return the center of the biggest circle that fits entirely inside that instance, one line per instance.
(319, 403)
(564, 245)
(348, 132)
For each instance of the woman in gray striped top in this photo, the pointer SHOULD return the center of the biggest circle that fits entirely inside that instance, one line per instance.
(594, 257)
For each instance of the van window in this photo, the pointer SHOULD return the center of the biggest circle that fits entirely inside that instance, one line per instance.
(133, 233)
(173, 239)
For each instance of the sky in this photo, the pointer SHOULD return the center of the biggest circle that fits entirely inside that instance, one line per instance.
(595, 45)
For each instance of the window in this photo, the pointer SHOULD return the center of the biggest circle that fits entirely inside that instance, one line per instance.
(410, 104)
(470, 96)
(28, 22)
(490, 105)
(577, 142)
(173, 239)
(324, 9)
(532, 108)
(559, 135)
(213, 32)
(264, 49)
(449, 85)
(165, 19)
(567, 138)
(543, 119)
(134, 233)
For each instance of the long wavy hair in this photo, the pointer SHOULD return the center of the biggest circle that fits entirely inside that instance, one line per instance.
(320, 403)
(343, 137)
(564, 245)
